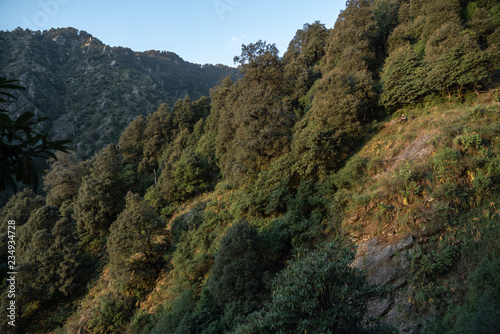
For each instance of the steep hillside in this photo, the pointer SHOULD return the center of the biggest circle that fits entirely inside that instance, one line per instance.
(420, 199)
(290, 201)
(92, 91)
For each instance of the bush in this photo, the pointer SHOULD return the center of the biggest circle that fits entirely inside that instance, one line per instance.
(481, 311)
(169, 321)
(318, 292)
(237, 274)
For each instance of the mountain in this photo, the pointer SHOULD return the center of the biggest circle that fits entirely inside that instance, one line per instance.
(297, 199)
(92, 91)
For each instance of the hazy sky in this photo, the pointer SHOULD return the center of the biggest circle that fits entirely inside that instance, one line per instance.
(199, 31)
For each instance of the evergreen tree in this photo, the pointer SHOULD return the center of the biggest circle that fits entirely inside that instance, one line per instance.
(132, 244)
(100, 197)
(355, 28)
(302, 57)
(260, 63)
(20, 206)
(156, 134)
(404, 79)
(255, 120)
(236, 273)
(236, 280)
(63, 179)
(50, 263)
(131, 141)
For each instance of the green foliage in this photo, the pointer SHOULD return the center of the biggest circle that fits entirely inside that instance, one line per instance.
(47, 238)
(272, 191)
(237, 275)
(20, 206)
(481, 310)
(469, 139)
(447, 165)
(353, 41)
(433, 52)
(305, 215)
(131, 141)
(91, 91)
(21, 144)
(318, 292)
(429, 265)
(254, 127)
(480, 313)
(205, 319)
(260, 63)
(348, 176)
(157, 133)
(403, 78)
(301, 60)
(469, 70)
(112, 316)
(100, 197)
(63, 179)
(192, 175)
(132, 246)
(170, 320)
(197, 246)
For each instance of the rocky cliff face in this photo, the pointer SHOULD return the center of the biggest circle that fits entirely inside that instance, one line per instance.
(92, 91)
(388, 264)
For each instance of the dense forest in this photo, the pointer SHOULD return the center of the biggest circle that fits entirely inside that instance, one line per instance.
(91, 91)
(291, 200)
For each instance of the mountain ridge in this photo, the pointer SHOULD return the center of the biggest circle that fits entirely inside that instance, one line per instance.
(90, 90)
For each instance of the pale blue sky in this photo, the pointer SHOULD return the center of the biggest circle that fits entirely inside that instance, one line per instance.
(199, 31)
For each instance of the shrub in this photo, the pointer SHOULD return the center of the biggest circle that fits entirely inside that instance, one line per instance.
(318, 292)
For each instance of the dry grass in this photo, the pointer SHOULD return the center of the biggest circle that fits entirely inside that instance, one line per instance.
(396, 196)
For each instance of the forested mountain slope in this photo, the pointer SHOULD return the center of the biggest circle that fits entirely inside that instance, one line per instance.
(92, 91)
(241, 212)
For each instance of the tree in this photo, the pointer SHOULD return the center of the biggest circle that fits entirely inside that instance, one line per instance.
(404, 79)
(158, 131)
(236, 280)
(236, 273)
(131, 141)
(255, 117)
(355, 28)
(131, 243)
(100, 197)
(343, 100)
(20, 206)
(192, 175)
(63, 179)
(457, 70)
(21, 145)
(319, 292)
(259, 62)
(50, 262)
(302, 57)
